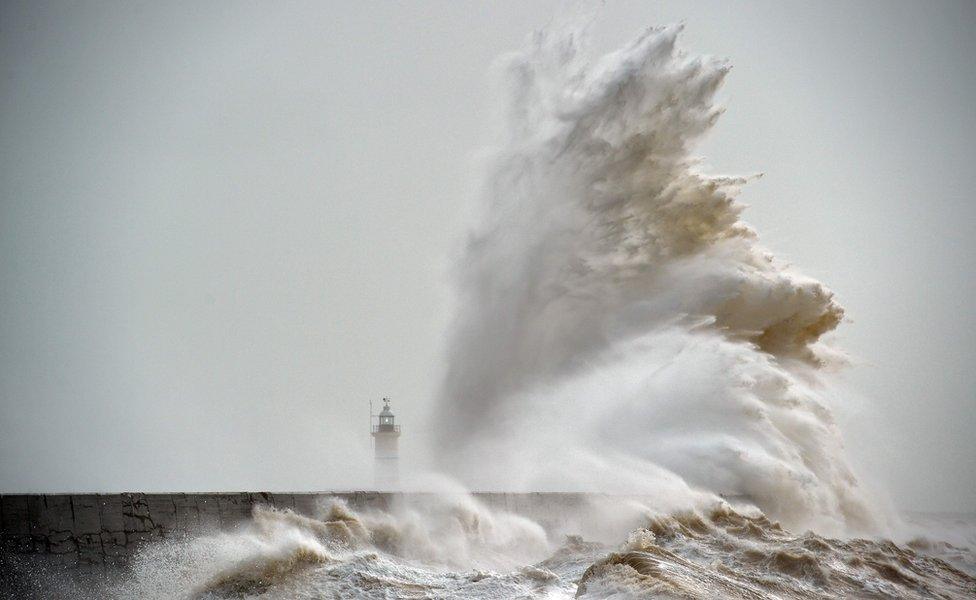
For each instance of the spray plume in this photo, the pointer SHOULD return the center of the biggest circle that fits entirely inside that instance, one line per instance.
(620, 329)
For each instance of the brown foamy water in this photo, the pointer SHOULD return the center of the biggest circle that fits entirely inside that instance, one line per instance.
(452, 546)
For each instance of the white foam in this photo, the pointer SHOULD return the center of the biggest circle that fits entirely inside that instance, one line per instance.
(619, 327)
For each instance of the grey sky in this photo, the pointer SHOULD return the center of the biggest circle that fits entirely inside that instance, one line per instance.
(225, 226)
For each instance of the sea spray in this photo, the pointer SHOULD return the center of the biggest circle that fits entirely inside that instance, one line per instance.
(450, 545)
(619, 327)
(409, 547)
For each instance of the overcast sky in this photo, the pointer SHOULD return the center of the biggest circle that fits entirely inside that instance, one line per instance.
(225, 226)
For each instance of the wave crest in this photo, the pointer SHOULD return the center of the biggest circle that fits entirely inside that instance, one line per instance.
(615, 311)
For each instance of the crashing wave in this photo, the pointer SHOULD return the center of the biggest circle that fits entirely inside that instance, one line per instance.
(452, 546)
(731, 555)
(615, 311)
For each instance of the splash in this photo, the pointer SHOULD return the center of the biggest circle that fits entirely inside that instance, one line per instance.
(451, 545)
(726, 554)
(619, 327)
(421, 543)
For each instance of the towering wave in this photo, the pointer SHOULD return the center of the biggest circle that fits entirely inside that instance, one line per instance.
(619, 327)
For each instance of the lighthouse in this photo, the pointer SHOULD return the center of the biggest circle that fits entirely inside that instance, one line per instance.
(386, 436)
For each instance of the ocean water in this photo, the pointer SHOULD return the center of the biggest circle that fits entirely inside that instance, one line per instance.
(451, 546)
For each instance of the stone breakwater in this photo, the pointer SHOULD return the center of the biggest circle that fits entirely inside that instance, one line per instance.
(102, 531)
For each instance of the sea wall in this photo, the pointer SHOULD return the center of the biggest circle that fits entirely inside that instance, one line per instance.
(103, 531)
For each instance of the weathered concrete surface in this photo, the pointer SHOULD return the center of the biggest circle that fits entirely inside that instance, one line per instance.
(101, 531)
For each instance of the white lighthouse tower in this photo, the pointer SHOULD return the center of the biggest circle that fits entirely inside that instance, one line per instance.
(386, 436)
